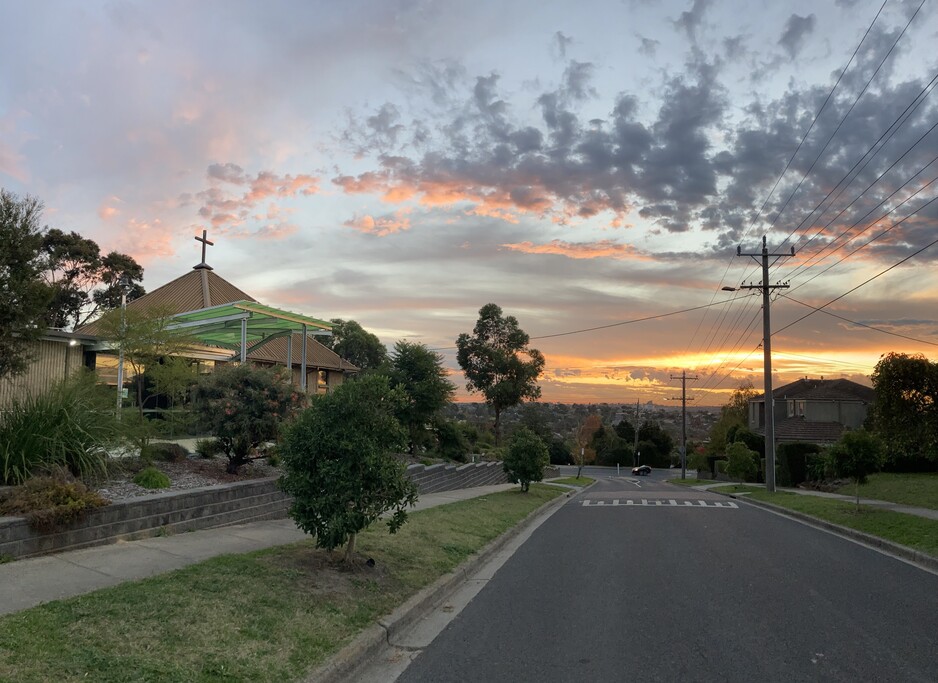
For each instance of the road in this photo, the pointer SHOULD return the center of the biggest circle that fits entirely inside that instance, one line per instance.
(637, 579)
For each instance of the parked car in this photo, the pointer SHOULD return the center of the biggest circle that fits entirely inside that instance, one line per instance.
(641, 470)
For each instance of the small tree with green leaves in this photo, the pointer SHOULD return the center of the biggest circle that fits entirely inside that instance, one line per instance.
(526, 458)
(244, 406)
(857, 455)
(420, 373)
(741, 463)
(339, 464)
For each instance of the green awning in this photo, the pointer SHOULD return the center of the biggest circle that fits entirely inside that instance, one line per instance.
(244, 324)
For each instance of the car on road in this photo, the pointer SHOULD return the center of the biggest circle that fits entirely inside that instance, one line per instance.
(641, 470)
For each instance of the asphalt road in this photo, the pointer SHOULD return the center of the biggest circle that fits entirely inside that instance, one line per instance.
(636, 579)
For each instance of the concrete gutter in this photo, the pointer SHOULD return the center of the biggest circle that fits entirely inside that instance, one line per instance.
(896, 550)
(370, 643)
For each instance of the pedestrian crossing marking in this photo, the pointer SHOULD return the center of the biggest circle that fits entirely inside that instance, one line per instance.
(660, 502)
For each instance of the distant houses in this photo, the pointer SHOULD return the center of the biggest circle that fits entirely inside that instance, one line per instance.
(813, 410)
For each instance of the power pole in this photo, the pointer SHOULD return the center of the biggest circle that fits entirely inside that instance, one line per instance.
(635, 461)
(767, 356)
(683, 401)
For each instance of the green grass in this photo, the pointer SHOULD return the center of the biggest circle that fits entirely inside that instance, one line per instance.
(920, 490)
(908, 530)
(691, 482)
(270, 615)
(573, 481)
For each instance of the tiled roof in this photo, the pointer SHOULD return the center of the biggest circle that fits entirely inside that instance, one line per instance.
(317, 355)
(823, 390)
(183, 294)
(799, 429)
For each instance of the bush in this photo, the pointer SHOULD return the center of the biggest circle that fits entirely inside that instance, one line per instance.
(819, 467)
(339, 464)
(244, 406)
(857, 455)
(69, 426)
(51, 502)
(152, 478)
(741, 462)
(165, 452)
(525, 458)
(207, 448)
(792, 462)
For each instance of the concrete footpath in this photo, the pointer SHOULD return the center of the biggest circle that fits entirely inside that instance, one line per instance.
(33, 581)
(927, 513)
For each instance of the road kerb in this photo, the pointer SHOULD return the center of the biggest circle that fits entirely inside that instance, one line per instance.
(897, 550)
(358, 654)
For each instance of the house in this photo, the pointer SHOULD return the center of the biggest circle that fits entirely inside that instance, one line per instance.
(813, 410)
(201, 294)
(198, 293)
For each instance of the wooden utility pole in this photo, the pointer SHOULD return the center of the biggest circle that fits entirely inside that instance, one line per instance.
(683, 401)
(767, 355)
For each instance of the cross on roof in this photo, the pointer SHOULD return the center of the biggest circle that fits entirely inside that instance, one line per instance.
(205, 242)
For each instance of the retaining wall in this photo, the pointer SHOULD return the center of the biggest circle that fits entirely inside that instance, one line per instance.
(204, 508)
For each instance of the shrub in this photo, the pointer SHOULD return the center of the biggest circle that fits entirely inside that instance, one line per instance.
(857, 455)
(166, 452)
(152, 478)
(819, 467)
(69, 426)
(525, 458)
(741, 462)
(244, 406)
(339, 464)
(207, 448)
(792, 462)
(52, 501)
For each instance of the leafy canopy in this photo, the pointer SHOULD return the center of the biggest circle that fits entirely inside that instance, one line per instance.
(420, 373)
(356, 345)
(244, 406)
(906, 410)
(526, 458)
(493, 361)
(24, 298)
(339, 464)
(857, 455)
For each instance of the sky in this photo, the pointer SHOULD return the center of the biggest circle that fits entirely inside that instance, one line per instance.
(583, 165)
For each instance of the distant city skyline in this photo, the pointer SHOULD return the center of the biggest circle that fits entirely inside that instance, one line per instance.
(591, 169)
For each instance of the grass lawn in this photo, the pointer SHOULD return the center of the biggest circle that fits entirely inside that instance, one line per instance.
(919, 489)
(908, 530)
(270, 615)
(573, 481)
(691, 482)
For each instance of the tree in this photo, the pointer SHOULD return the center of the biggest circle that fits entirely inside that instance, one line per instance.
(735, 413)
(354, 344)
(245, 406)
(905, 414)
(857, 455)
(741, 463)
(585, 434)
(492, 360)
(146, 343)
(339, 464)
(75, 272)
(662, 444)
(420, 373)
(24, 299)
(526, 458)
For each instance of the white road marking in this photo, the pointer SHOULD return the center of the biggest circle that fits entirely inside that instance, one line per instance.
(670, 502)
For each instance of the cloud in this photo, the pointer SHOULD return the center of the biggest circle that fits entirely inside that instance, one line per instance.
(225, 208)
(649, 46)
(797, 29)
(380, 226)
(108, 209)
(690, 21)
(581, 250)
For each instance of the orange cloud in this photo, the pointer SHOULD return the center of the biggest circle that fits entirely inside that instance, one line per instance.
(382, 225)
(581, 250)
(107, 210)
(146, 241)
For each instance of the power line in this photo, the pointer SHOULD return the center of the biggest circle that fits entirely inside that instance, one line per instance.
(859, 324)
(865, 282)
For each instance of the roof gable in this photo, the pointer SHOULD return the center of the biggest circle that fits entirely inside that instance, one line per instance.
(823, 390)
